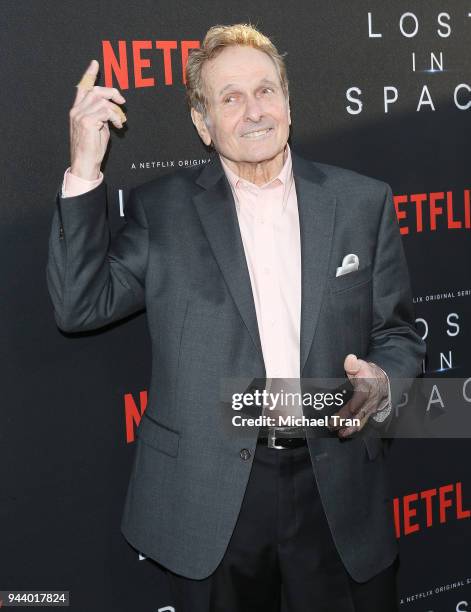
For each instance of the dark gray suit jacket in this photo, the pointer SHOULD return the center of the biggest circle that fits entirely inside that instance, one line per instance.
(180, 256)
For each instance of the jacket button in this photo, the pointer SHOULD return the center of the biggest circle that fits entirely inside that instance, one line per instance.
(245, 454)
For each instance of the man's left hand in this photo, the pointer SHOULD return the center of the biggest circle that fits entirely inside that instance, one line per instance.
(370, 389)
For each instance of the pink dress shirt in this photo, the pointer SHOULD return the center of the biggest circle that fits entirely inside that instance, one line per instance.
(74, 185)
(269, 226)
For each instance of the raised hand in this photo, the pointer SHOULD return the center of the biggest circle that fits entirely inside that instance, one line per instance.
(93, 107)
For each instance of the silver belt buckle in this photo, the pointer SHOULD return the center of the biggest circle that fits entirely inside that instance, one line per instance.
(272, 438)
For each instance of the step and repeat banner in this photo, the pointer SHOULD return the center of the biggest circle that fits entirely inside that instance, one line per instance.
(383, 88)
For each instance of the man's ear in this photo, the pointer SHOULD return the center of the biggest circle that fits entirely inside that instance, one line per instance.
(289, 113)
(201, 126)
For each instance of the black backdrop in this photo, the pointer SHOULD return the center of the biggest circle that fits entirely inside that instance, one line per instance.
(72, 402)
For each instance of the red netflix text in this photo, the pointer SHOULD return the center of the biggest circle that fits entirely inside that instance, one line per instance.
(133, 413)
(145, 63)
(425, 509)
(421, 212)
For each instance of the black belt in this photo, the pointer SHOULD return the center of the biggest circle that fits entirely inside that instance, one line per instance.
(281, 440)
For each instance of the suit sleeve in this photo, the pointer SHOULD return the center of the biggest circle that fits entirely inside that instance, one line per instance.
(395, 344)
(94, 279)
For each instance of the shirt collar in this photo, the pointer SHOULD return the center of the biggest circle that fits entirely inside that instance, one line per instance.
(283, 177)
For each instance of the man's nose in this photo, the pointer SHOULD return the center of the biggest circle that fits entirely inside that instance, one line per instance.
(253, 109)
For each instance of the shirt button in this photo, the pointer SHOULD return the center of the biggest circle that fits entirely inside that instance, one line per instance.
(245, 454)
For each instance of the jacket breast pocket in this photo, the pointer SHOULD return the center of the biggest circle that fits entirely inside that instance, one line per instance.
(351, 279)
(158, 436)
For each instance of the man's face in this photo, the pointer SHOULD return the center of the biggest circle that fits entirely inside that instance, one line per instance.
(248, 117)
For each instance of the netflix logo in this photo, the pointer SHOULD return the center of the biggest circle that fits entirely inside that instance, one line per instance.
(133, 412)
(424, 509)
(145, 63)
(420, 212)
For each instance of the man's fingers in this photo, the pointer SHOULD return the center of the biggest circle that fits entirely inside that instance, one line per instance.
(100, 94)
(107, 114)
(350, 410)
(357, 401)
(98, 114)
(117, 109)
(345, 432)
(99, 105)
(352, 364)
(103, 116)
(343, 413)
(87, 81)
(110, 93)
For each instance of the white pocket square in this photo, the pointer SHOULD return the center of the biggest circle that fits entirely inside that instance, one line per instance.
(349, 263)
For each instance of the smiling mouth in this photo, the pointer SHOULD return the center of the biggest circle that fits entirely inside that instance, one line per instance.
(257, 134)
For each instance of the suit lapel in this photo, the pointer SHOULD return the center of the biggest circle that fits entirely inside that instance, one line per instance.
(217, 212)
(316, 206)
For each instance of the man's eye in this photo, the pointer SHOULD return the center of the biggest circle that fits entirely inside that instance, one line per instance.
(229, 99)
(267, 90)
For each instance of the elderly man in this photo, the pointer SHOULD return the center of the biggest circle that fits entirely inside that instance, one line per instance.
(262, 265)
